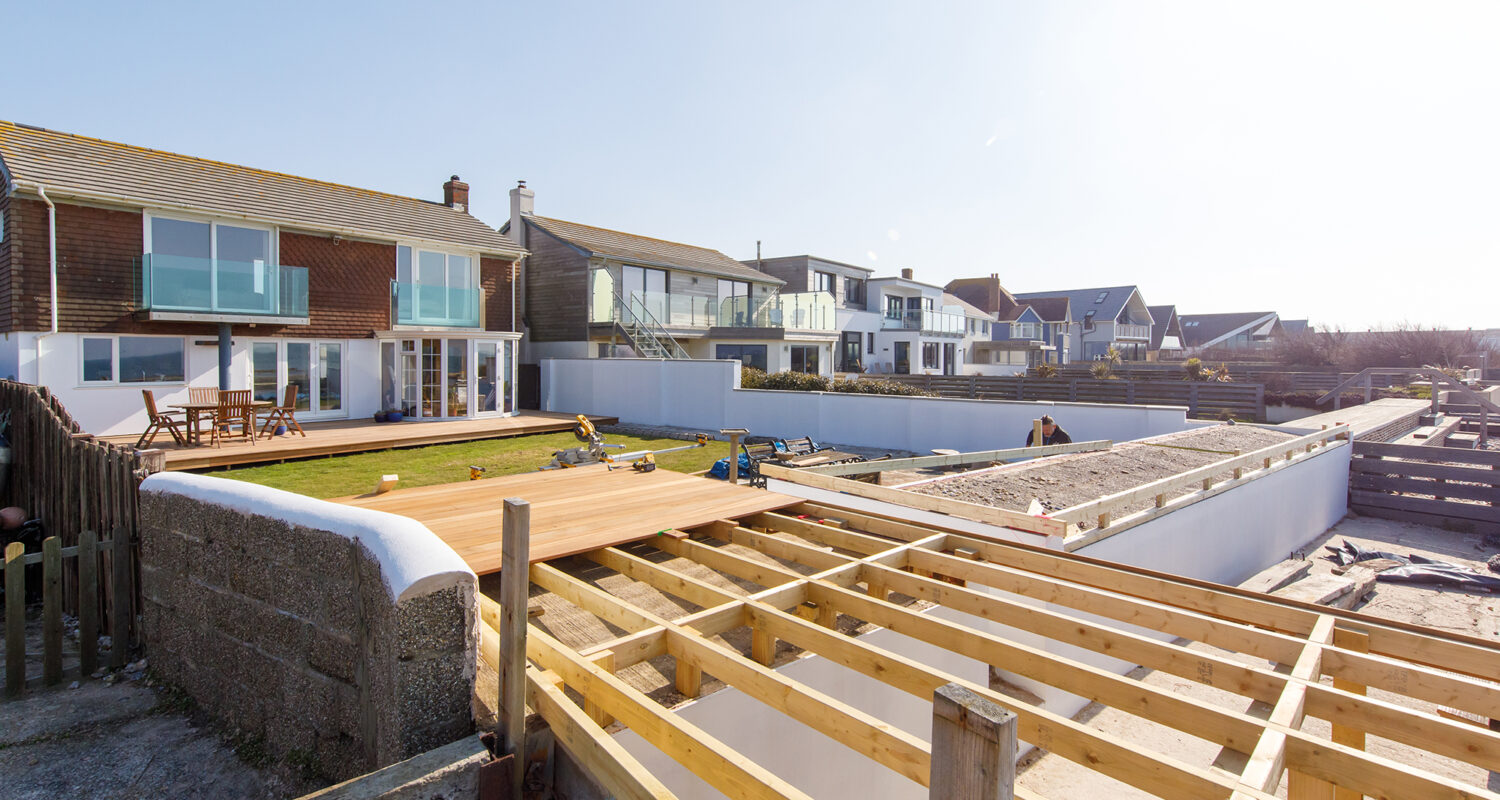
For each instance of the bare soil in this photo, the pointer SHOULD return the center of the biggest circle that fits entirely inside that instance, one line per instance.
(1060, 482)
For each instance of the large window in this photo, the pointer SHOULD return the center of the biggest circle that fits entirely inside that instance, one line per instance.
(854, 292)
(805, 359)
(133, 359)
(893, 307)
(749, 355)
(929, 355)
(436, 288)
(823, 282)
(645, 291)
(210, 266)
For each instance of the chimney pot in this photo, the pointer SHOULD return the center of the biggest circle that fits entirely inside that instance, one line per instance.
(456, 194)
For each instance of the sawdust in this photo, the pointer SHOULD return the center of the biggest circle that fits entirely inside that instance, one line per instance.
(1059, 482)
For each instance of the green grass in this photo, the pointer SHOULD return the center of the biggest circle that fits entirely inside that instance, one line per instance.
(341, 476)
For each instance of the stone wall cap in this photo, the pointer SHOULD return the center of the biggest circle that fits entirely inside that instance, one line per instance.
(413, 560)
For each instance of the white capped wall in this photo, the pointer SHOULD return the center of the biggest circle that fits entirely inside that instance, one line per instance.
(705, 395)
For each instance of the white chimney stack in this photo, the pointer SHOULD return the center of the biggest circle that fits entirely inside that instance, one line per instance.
(522, 204)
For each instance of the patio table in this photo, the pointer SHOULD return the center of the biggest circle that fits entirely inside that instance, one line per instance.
(194, 410)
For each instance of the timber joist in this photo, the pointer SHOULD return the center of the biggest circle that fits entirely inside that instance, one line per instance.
(804, 574)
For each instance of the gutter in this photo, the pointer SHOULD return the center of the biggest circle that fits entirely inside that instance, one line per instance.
(52, 260)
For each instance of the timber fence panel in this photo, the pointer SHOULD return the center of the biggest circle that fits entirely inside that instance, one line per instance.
(1201, 398)
(54, 559)
(1439, 486)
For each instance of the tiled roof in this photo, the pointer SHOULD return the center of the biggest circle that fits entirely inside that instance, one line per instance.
(70, 165)
(1105, 301)
(1050, 309)
(969, 308)
(1163, 315)
(1201, 329)
(630, 247)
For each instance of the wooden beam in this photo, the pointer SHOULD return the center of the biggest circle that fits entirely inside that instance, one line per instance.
(1043, 525)
(822, 534)
(973, 747)
(514, 591)
(1268, 759)
(603, 758)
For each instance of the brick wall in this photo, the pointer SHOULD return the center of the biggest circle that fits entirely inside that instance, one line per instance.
(349, 285)
(291, 629)
(5, 271)
(495, 279)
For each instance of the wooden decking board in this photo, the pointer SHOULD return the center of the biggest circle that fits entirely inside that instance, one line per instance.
(572, 511)
(343, 437)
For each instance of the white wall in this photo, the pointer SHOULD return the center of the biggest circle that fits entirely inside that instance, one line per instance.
(704, 394)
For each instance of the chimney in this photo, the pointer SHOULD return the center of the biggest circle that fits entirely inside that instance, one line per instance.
(456, 194)
(522, 203)
(906, 273)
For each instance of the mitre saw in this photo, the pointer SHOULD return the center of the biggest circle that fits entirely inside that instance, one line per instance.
(594, 450)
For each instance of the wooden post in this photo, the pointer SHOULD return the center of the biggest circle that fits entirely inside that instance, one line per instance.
(973, 747)
(762, 646)
(88, 602)
(1239, 472)
(1036, 433)
(15, 619)
(52, 633)
(734, 435)
(515, 585)
(1358, 641)
(119, 633)
(1193, 400)
(605, 660)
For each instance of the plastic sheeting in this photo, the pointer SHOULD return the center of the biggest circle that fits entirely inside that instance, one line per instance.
(1417, 569)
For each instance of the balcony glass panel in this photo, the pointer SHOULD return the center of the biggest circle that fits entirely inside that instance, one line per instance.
(807, 311)
(435, 305)
(202, 285)
(601, 296)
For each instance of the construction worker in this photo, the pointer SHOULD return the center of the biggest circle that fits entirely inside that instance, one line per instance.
(1051, 433)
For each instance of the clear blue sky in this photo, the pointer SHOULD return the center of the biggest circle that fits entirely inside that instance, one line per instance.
(1339, 161)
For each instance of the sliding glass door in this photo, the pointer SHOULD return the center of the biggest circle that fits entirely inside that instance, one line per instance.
(449, 378)
(315, 368)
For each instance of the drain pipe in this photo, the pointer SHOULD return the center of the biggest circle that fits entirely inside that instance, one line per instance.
(52, 253)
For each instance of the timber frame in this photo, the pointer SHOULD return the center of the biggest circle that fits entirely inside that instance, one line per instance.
(816, 562)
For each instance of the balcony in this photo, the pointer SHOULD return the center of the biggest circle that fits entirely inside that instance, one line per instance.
(434, 306)
(803, 311)
(936, 323)
(1127, 331)
(184, 288)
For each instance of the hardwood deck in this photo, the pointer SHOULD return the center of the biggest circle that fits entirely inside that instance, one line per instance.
(357, 436)
(572, 510)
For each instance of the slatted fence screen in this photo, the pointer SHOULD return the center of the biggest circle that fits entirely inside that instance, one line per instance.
(1442, 486)
(1245, 400)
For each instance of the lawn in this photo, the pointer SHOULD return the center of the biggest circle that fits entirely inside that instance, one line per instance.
(341, 476)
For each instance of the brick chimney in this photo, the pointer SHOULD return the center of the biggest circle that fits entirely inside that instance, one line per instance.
(906, 273)
(522, 203)
(456, 194)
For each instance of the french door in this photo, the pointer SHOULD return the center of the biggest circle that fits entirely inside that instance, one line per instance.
(316, 368)
(441, 378)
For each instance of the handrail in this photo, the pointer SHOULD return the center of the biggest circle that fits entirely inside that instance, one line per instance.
(1360, 376)
(650, 326)
(1106, 505)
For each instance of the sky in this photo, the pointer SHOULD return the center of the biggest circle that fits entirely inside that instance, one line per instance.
(1332, 161)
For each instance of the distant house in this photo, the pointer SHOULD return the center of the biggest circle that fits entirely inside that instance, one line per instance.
(173, 271)
(597, 293)
(1248, 331)
(848, 284)
(1025, 334)
(1103, 318)
(1292, 327)
(1166, 333)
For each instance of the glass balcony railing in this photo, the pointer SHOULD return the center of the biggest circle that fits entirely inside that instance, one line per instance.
(1126, 331)
(940, 323)
(802, 311)
(441, 306)
(208, 286)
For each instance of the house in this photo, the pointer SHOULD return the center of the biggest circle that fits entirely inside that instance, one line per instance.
(1103, 318)
(597, 293)
(1025, 333)
(1166, 333)
(848, 284)
(124, 268)
(915, 328)
(1293, 327)
(1247, 331)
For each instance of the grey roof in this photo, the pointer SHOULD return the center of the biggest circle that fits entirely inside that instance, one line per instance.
(1294, 325)
(970, 309)
(1082, 300)
(69, 165)
(1051, 309)
(1201, 329)
(630, 247)
(1163, 316)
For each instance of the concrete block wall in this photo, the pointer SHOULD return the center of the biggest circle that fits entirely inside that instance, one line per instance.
(347, 639)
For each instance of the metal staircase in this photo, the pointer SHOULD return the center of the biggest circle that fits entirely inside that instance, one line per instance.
(647, 337)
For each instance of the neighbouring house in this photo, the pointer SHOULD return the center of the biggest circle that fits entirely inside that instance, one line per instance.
(1166, 333)
(1024, 335)
(920, 332)
(1248, 331)
(124, 268)
(848, 285)
(1293, 327)
(597, 293)
(1103, 318)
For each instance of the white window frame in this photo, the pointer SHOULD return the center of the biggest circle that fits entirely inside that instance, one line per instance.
(114, 362)
(416, 251)
(272, 266)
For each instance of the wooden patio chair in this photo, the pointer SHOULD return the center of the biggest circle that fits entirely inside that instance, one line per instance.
(203, 394)
(284, 414)
(235, 410)
(159, 419)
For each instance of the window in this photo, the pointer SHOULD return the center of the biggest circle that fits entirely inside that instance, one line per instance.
(893, 307)
(1088, 321)
(436, 288)
(854, 292)
(749, 355)
(984, 328)
(824, 282)
(805, 359)
(870, 343)
(929, 355)
(133, 359)
(1100, 298)
(645, 290)
(210, 266)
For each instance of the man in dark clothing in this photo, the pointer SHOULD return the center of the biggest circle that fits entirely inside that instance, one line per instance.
(1051, 433)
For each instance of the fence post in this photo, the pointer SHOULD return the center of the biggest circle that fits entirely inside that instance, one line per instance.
(15, 619)
(1260, 402)
(1021, 388)
(1192, 399)
(973, 386)
(88, 602)
(119, 628)
(515, 583)
(51, 610)
(1130, 391)
(973, 747)
(1073, 390)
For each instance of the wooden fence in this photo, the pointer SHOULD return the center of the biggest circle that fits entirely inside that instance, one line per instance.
(85, 558)
(1246, 400)
(1442, 486)
(74, 483)
(1296, 380)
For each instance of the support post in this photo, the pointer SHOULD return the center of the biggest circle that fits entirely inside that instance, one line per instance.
(88, 602)
(119, 620)
(1358, 641)
(734, 435)
(15, 618)
(973, 747)
(226, 354)
(52, 627)
(1036, 433)
(515, 585)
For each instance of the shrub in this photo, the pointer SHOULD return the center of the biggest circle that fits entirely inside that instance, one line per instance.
(1046, 370)
(1192, 370)
(1102, 370)
(877, 386)
(752, 378)
(796, 382)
